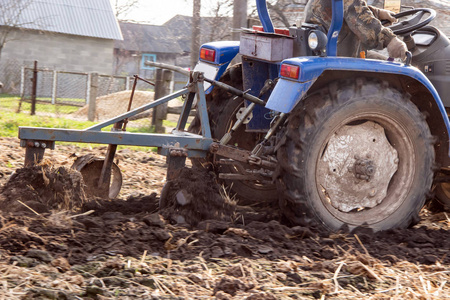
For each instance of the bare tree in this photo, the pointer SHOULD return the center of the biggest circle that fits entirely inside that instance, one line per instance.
(195, 39)
(282, 13)
(12, 18)
(123, 7)
(219, 23)
(239, 17)
(277, 8)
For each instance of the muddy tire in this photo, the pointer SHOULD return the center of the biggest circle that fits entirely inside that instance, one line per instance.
(222, 109)
(355, 155)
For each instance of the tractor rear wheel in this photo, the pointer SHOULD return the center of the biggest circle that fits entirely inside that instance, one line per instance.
(355, 155)
(222, 110)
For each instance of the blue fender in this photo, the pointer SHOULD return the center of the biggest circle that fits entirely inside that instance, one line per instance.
(288, 93)
(225, 52)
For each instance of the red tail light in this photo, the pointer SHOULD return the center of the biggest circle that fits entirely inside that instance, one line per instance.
(207, 54)
(290, 71)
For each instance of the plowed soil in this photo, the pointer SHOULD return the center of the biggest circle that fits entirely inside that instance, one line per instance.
(200, 245)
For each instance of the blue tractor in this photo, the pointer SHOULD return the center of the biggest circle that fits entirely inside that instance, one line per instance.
(346, 141)
(336, 141)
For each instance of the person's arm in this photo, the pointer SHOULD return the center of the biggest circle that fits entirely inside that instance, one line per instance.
(382, 14)
(362, 22)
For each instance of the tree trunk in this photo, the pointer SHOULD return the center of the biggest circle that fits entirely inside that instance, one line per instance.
(239, 18)
(195, 41)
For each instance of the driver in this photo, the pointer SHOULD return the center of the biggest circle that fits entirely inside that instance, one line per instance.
(362, 29)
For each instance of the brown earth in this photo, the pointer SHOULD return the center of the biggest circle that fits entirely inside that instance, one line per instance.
(199, 246)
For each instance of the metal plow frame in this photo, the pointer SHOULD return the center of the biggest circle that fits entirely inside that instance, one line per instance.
(176, 146)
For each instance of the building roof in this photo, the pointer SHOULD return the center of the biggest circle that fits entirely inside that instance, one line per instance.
(211, 29)
(147, 38)
(93, 18)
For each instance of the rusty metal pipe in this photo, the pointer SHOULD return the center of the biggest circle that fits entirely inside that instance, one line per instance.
(236, 92)
(168, 67)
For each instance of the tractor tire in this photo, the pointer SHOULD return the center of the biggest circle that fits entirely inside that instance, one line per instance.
(222, 109)
(355, 155)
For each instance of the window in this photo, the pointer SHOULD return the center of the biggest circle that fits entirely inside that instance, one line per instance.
(145, 57)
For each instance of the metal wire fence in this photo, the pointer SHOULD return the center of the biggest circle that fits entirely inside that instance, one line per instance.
(68, 94)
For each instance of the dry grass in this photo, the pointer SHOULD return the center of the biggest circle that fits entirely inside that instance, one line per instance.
(353, 275)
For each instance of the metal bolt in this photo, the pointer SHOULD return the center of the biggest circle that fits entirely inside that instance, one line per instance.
(44, 145)
(214, 148)
(36, 144)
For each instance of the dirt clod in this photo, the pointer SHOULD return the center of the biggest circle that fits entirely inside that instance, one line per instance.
(42, 188)
(196, 196)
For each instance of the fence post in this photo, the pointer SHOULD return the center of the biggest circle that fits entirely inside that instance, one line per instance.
(162, 88)
(34, 89)
(22, 82)
(127, 83)
(55, 83)
(93, 90)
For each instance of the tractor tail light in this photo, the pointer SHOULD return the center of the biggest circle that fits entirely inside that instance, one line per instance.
(207, 54)
(290, 71)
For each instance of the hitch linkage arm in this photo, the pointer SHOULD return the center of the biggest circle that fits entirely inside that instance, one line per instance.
(236, 92)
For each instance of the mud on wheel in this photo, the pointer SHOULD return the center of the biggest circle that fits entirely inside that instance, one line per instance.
(359, 156)
(222, 110)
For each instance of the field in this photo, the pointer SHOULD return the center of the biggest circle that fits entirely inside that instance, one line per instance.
(127, 249)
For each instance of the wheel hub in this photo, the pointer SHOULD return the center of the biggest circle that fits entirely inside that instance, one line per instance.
(363, 169)
(356, 167)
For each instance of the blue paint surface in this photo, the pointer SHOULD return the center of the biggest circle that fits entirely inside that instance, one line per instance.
(225, 51)
(288, 93)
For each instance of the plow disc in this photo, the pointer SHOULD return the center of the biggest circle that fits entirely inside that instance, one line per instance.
(90, 168)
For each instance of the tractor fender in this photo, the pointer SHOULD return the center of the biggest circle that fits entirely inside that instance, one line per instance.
(225, 51)
(316, 71)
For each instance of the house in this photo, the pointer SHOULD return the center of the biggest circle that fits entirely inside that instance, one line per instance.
(143, 42)
(70, 35)
(169, 43)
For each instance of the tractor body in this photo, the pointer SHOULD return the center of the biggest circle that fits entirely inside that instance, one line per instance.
(301, 72)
